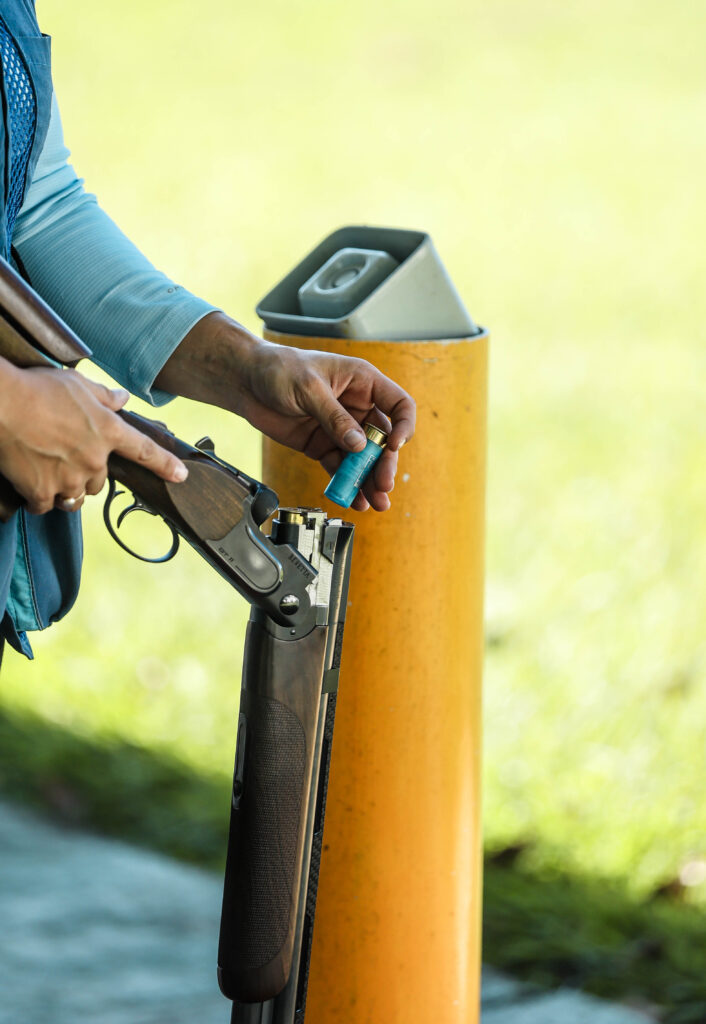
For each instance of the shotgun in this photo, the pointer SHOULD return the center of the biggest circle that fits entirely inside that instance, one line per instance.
(296, 581)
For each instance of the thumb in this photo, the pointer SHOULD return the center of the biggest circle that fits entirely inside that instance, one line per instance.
(111, 398)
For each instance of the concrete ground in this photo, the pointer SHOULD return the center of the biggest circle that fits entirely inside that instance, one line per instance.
(92, 930)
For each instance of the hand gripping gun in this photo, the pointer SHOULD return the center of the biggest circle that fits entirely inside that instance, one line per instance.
(296, 581)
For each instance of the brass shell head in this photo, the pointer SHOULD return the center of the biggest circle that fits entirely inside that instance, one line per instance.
(291, 515)
(375, 434)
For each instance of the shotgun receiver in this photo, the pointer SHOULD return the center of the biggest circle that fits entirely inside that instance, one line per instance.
(296, 581)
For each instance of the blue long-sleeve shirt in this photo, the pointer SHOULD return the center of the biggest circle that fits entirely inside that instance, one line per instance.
(131, 315)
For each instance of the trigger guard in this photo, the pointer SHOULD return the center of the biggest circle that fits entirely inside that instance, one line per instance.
(137, 505)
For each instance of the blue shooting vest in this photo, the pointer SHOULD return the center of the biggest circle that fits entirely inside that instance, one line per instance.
(40, 556)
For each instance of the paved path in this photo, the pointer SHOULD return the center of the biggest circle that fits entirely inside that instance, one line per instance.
(96, 932)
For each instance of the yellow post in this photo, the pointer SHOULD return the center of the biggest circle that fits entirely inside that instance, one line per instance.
(397, 936)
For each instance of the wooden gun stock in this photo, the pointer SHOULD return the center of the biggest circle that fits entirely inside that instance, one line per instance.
(33, 321)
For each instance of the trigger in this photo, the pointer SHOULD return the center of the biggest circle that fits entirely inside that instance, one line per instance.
(136, 506)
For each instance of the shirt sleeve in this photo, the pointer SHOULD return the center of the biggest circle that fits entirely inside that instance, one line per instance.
(130, 314)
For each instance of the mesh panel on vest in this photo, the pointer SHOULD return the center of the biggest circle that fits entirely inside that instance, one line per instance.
(21, 120)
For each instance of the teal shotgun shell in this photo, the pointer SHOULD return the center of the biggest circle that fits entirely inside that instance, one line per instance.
(350, 475)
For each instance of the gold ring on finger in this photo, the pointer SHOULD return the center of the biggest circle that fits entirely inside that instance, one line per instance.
(69, 504)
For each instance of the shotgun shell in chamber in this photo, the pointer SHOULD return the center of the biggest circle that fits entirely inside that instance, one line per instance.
(295, 516)
(350, 475)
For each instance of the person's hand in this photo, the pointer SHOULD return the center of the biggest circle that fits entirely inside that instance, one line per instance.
(57, 429)
(315, 402)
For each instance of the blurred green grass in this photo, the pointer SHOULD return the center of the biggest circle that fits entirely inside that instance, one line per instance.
(556, 154)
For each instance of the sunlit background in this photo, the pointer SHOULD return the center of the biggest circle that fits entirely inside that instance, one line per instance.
(556, 155)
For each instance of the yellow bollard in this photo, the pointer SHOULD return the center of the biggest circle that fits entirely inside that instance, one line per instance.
(397, 936)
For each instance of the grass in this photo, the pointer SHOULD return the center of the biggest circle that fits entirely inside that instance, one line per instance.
(556, 155)
(554, 928)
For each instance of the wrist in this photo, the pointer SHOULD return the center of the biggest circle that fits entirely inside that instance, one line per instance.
(234, 353)
(12, 380)
(212, 363)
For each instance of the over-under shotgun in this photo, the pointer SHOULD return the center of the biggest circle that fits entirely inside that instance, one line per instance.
(296, 580)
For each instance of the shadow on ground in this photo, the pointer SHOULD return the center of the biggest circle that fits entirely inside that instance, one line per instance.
(549, 929)
(110, 786)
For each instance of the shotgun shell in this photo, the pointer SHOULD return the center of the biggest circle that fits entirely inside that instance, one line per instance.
(350, 475)
(291, 515)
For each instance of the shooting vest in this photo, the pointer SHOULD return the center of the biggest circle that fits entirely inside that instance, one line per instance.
(40, 556)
